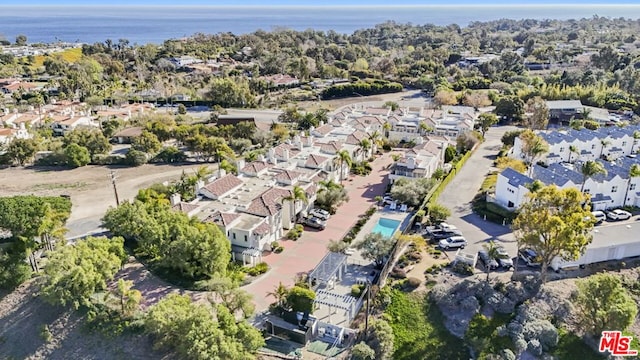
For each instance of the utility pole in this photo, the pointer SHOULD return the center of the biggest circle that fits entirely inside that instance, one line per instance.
(366, 319)
(115, 189)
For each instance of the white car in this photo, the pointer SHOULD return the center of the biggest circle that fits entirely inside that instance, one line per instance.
(618, 214)
(599, 215)
(320, 213)
(453, 242)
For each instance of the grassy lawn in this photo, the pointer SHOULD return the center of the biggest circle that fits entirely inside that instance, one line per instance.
(419, 331)
(69, 55)
(571, 346)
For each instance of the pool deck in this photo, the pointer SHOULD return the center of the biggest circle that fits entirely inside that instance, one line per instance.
(403, 217)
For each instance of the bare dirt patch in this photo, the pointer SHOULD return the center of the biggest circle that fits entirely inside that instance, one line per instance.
(23, 315)
(90, 187)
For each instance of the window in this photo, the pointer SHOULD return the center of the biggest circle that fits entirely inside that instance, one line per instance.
(624, 143)
(234, 236)
(561, 149)
(587, 191)
(510, 204)
(593, 146)
(245, 238)
(614, 189)
(632, 187)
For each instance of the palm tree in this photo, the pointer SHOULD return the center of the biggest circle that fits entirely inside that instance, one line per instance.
(280, 293)
(386, 127)
(344, 158)
(492, 253)
(604, 144)
(636, 139)
(375, 139)
(634, 171)
(326, 185)
(297, 195)
(202, 172)
(590, 169)
(572, 149)
(364, 145)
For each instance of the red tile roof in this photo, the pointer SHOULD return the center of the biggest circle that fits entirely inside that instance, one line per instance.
(184, 207)
(254, 167)
(377, 111)
(223, 185)
(221, 219)
(355, 137)
(315, 160)
(331, 148)
(268, 203)
(324, 129)
(287, 175)
(262, 229)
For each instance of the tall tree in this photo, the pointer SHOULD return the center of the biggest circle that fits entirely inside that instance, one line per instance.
(364, 145)
(589, 169)
(492, 254)
(485, 121)
(22, 151)
(603, 145)
(634, 171)
(604, 304)
(297, 196)
(572, 150)
(554, 223)
(343, 158)
(538, 114)
(533, 146)
(74, 273)
(375, 247)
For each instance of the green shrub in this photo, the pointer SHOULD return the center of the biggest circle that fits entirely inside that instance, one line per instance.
(292, 234)
(45, 334)
(462, 268)
(370, 212)
(278, 250)
(274, 244)
(259, 269)
(356, 290)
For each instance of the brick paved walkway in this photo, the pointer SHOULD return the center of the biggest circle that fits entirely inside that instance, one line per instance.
(303, 255)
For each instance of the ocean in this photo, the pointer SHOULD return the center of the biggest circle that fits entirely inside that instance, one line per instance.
(144, 24)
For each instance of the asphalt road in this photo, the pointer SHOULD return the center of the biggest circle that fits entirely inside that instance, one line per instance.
(458, 195)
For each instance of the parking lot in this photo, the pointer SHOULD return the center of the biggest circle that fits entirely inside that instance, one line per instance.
(459, 194)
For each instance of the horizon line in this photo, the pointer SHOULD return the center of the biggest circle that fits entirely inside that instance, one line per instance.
(330, 6)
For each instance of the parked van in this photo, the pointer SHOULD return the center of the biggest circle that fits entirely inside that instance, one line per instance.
(599, 215)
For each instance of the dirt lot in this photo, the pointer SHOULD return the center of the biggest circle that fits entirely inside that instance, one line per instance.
(90, 187)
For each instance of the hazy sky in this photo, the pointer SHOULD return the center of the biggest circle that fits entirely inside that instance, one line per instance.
(306, 3)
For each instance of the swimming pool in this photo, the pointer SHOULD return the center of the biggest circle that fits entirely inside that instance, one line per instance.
(386, 227)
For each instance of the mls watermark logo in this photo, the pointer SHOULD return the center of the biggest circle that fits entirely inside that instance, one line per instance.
(616, 343)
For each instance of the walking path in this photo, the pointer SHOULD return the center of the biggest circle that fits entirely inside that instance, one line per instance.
(301, 256)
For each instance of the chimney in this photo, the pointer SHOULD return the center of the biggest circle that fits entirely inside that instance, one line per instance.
(175, 199)
(199, 185)
(222, 172)
(240, 163)
(261, 158)
(411, 162)
(272, 155)
(22, 126)
(285, 154)
(309, 140)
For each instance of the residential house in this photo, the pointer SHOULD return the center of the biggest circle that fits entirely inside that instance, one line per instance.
(613, 189)
(128, 135)
(221, 187)
(605, 142)
(63, 124)
(418, 162)
(564, 110)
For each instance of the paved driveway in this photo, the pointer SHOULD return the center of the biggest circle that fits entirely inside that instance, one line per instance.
(303, 255)
(458, 195)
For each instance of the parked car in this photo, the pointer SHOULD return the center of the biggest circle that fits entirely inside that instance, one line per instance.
(442, 227)
(529, 256)
(486, 261)
(320, 213)
(504, 261)
(600, 216)
(453, 243)
(618, 214)
(441, 235)
(315, 222)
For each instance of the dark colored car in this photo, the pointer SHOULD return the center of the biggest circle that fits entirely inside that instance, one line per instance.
(315, 223)
(529, 256)
(486, 261)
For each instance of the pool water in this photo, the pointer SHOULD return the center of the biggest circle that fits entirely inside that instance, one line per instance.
(386, 227)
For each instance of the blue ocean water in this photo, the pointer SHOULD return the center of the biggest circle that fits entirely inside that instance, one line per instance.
(145, 24)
